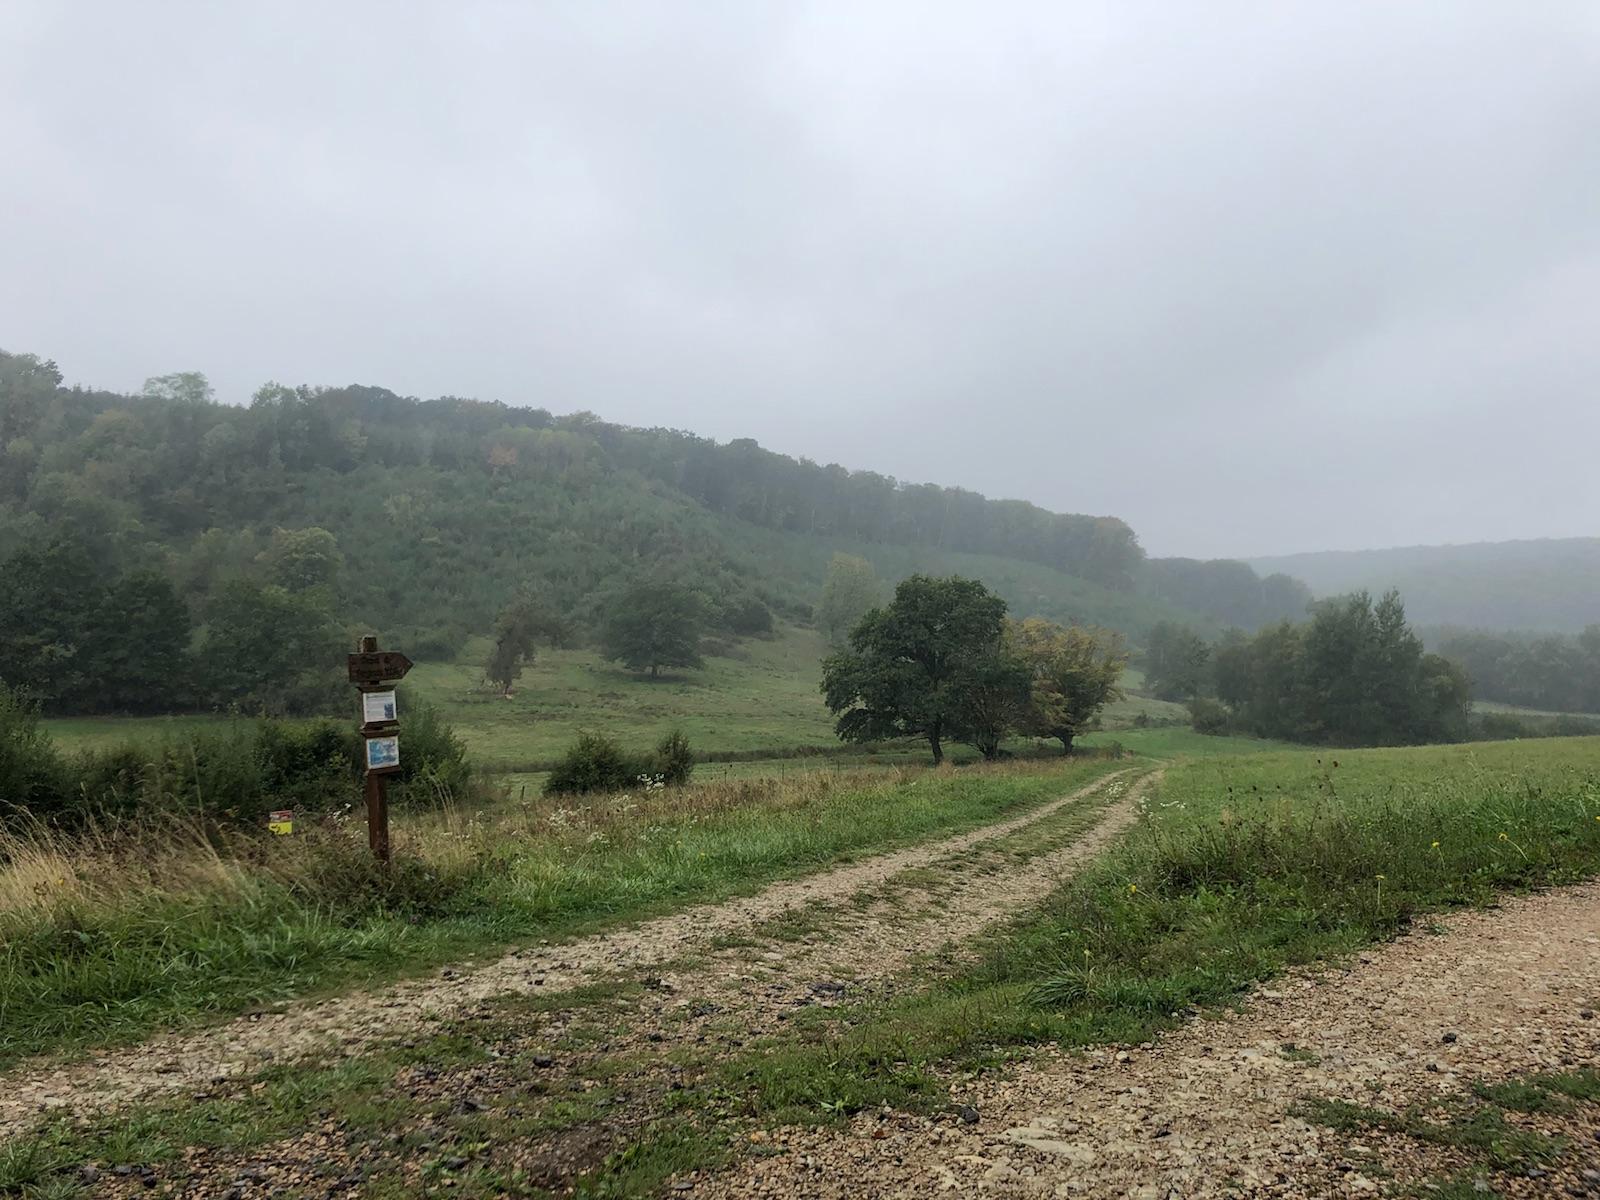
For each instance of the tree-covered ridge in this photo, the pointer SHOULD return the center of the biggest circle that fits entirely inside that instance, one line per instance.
(433, 515)
(181, 459)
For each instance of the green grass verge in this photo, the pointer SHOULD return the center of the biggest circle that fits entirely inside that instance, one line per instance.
(1475, 1125)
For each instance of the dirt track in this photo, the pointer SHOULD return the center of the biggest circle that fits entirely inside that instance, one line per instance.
(880, 914)
(1210, 1109)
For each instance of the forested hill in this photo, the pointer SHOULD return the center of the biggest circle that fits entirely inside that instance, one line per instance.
(441, 509)
(1549, 585)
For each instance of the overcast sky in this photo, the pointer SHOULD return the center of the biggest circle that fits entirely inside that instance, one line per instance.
(1257, 278)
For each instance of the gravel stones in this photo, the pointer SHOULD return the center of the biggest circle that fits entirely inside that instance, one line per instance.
(1213, 1110)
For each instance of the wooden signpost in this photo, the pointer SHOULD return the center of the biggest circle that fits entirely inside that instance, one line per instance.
(375, 672)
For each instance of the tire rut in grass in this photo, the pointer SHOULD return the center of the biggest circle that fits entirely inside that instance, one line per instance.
(194, 1062)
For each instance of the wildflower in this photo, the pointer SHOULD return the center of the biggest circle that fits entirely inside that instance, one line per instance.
(1503, 837)
(1132, 888)
(1436, 845)
(1380, 876)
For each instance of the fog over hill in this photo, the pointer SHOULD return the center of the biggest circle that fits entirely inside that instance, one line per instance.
(1547, 585)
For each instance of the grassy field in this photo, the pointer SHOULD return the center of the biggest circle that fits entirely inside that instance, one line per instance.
(1494, 706)
(109, 939)
(1240, 866)
(74, 734)
(759, 700)
(762, 696)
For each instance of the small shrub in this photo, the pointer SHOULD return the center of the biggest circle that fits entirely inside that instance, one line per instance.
(216, 775)
(340, 874)
(1209, 717)
(594, 763)
(106, 783)
(439, 644)
(433, 760)
(305, 766)
(32, 775)
(749, 617)
(674, 761)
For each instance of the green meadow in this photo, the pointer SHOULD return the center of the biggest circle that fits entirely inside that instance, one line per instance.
(754, 707)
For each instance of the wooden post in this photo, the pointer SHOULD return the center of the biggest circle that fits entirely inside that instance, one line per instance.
(375, 673)
(378, 817)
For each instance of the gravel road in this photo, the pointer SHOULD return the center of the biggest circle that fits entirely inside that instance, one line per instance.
(1209, 1110)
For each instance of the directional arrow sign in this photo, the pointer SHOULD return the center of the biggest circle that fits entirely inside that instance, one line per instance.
(378, 666)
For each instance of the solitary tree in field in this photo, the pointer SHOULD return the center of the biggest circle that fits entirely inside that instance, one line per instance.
(922, 666)
(850, 590)
(1073, 672)
(522, 623)
(651, 626)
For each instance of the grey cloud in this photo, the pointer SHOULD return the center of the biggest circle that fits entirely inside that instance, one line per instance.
(1258, 278)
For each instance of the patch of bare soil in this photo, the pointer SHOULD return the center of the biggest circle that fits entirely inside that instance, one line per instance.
(903, 918)
(1213, 1108)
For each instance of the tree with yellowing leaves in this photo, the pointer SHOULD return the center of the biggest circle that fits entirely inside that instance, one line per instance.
(1074, 672)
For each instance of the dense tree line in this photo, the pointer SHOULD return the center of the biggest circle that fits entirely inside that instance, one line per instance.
(1355, 674)
(80, 641)
(77, 638)
(1557, 674)
(941, 662)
